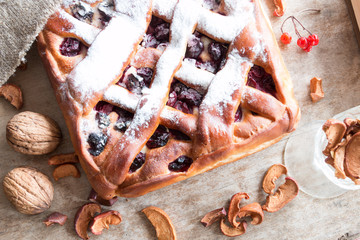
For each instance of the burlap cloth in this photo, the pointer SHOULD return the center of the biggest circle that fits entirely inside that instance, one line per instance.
(20, 23)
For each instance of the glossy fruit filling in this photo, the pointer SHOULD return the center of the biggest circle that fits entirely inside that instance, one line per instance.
(70, 47)
(183, 98)
(181, 164)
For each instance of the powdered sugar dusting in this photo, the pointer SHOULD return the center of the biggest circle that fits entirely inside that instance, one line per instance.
(194, 76)
(83, 30)
(108, 54)
(121, 97)
(184, 21)
(228, 80)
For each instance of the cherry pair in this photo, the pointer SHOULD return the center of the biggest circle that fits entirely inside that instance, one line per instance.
(304, 43)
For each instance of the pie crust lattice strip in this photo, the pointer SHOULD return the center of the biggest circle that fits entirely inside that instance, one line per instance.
(154, 92)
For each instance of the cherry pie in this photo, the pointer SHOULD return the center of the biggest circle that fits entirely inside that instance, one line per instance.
(154, 92)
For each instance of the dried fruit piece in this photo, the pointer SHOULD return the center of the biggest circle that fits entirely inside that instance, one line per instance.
(234, 207)
(29, 190)
(33, 133)
(339, 158)
(352, 156)
(162, 223)
(103, 220)
(253, 210)
(83, 217)
(272, 174)
(13, 94)
(231, 231)
(66, 170)
(286, 192)
(213, 216)
(334, 130)
(316, 90)
(55, 217)
(94, 197)
(63, 158)
(279, 8)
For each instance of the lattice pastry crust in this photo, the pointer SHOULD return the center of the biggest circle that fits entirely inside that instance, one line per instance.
(154, 92)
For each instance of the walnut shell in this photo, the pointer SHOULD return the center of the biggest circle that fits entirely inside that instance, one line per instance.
(29, 190)
(33, 133)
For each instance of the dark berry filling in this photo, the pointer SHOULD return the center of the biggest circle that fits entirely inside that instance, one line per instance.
(159, 138)
(97, 142)
(181, 164)
(106, 9)
(178, 135)
(258, 78)
(104, 107)
(216, 50)
(138, 162)
(146, 73)
(70, 47)
(238, 115)
(158, 32)
(194, 47)
(82, 11)
(124, 119)
(136, 82)
(183, 98)
(103, 120)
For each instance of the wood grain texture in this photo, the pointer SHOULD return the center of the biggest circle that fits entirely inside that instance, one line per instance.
(354, 12)
(188, 201)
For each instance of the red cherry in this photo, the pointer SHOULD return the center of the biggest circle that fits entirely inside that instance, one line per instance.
(303, 43)
(308, 49)
(285, 38)
(314, 39)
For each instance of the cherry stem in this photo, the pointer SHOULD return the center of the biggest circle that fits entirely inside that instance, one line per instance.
(293, 18)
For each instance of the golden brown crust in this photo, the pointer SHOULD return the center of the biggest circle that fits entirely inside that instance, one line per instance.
(254, 133)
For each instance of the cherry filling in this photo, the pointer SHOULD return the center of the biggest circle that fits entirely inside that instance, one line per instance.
(102, 116)
(97, 142)
(159, 138)
(178, 135)
(258, 78)
(70, 47)
(157, 33)
(138, 162)
(181, 164)
(183, 98)
(238, 115)
(106, 10)
(124, 119)
(135, 82)
(82, 11)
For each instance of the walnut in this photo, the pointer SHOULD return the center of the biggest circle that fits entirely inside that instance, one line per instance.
(29, 190)
(33, 133)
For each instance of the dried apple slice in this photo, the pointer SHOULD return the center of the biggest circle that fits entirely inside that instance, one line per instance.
(234, 207)
(55, 217)
(352, 156)
(272, 174)
(103, 220)
(162, 223)
(254, 211)
(335, 131)
(286, 192)
(13, 94)
(213, 216)
(339, 158)
(231, 231)
(66, 170)
(83, 217)
(63, 158)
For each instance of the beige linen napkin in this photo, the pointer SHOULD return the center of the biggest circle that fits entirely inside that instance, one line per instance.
(20, 23)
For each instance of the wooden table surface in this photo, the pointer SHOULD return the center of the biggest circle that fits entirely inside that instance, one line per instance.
(336, 60)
